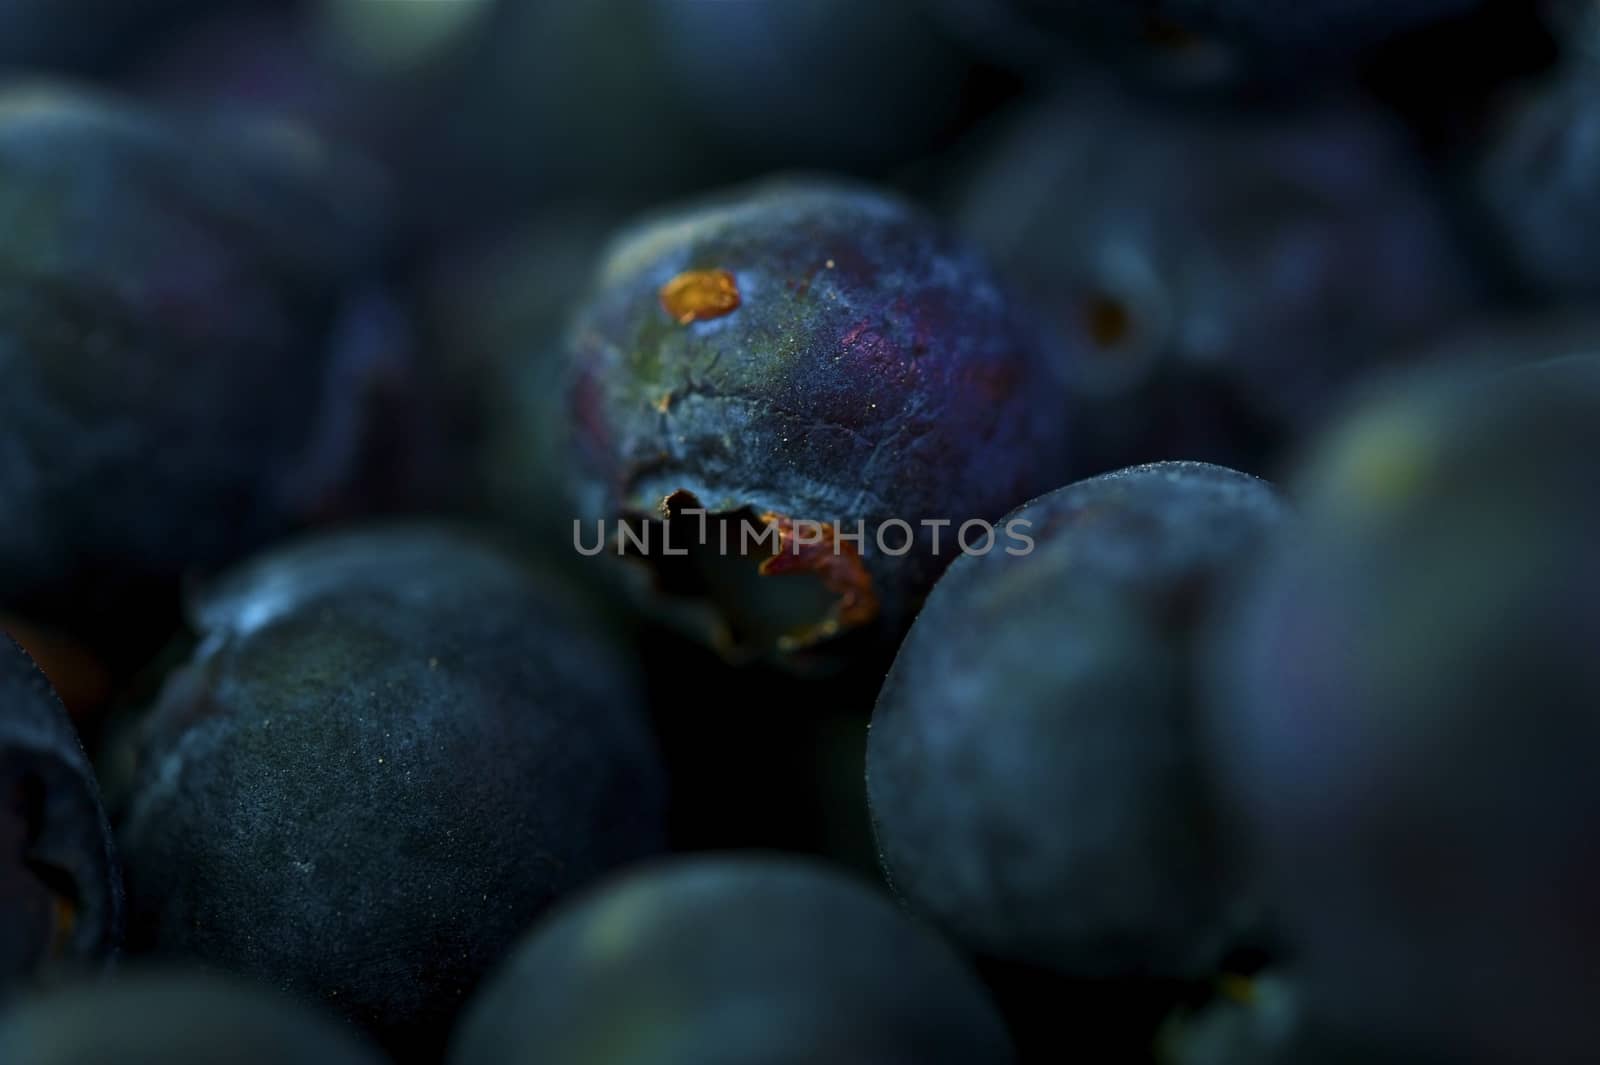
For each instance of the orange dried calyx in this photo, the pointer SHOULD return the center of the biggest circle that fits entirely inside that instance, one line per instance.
(700, 295)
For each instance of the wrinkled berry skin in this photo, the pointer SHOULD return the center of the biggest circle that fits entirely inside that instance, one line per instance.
(186, 364)
(1538, 186)
(1219, 276)
(60, 885)
(1031, 770)
(391, 750)
(748, 960)
(1405, 724)
(1191, 42)
(872, 370)
(168, 1018)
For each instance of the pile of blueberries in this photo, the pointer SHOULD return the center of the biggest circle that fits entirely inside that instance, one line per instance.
(799, 532)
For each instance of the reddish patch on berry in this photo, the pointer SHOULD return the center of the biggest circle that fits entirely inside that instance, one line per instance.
(837, 563)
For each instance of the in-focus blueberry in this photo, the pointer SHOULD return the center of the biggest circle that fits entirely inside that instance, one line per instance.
(392, 749)
(804, 351)
(1032, 769)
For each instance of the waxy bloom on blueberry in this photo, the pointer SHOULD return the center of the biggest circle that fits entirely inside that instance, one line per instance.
(810, 361)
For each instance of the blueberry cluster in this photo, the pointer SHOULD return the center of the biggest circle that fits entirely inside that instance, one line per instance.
(799, 532)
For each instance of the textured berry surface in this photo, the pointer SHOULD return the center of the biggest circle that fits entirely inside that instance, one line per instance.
(732, 961)
(810, 352)
(1031, 767)
(390, 751)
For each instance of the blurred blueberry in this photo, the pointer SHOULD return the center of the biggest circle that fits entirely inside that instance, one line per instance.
(1404, 717)
(1218, 276)
(172, 1018)
(60, 885)
(732, 960)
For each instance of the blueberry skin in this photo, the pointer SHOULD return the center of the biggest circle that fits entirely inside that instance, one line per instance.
(377, 89)
(77, 34)
(1268, 1022)
(873, 370)
(1191, 42)
(1404, 717)
(187, 365)
(60, 883)
(392, 749)
(1221, 275)
(732, 960)
(497, 311)
(1031, 770)
(827, 83)
(567, 101)
(173, 1018)
(1537, 185)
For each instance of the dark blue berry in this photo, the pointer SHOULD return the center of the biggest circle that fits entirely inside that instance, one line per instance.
(1405, 721)
(60, 887)
(161, 1018)
(1032, 768)
(188, 365)
(391, 750)
(732, 961)
(805, 352)
(1218, 276)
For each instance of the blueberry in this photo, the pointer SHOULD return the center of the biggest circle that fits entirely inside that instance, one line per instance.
(1031, 766)
(60, 887)
(370, 78)
(169, 1018)
(77, 34)
(1265, 1020)
(391, 750)
(1404, 717)
(732, 961)
(186, 364)
(1312, 25)
(829, 82)
(1536, 185)
(1192, 41)
(564, 100)
(804, 352)
(1220, 275)
(1510, 340)
(496, 311)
